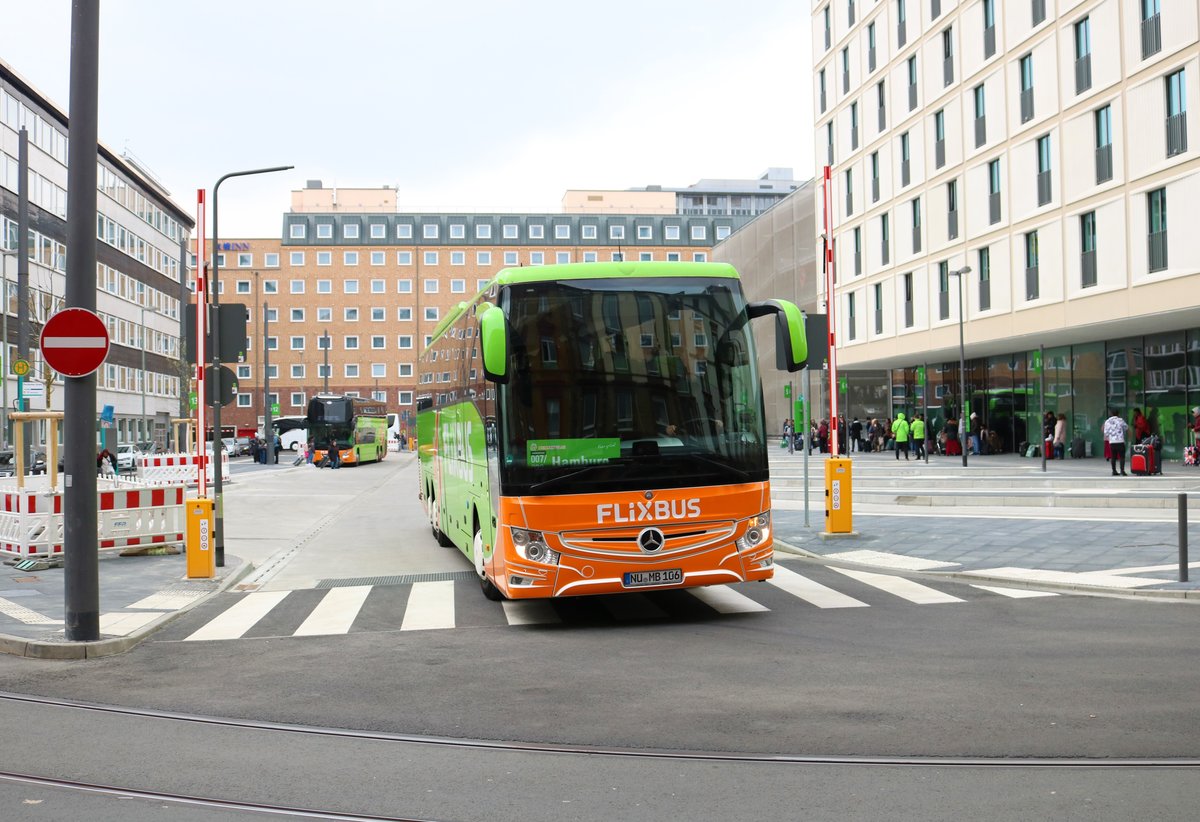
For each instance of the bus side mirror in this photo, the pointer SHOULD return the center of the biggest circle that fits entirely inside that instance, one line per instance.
(493, 339)
(791, 344)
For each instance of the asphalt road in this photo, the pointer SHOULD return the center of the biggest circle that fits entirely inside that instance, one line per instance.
(1058, 677)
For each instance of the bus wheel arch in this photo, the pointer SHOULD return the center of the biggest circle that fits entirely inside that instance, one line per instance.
(486, 585)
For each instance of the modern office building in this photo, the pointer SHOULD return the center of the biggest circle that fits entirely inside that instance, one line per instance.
(741, 199)
(1042, 145)
(142, 236)
(354, 297)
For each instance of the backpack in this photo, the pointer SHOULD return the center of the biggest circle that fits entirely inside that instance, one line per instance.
(1031, 451)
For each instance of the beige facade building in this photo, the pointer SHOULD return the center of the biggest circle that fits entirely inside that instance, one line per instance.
(1042, 145)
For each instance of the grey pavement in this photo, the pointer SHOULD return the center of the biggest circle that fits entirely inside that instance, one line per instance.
(1130, 550)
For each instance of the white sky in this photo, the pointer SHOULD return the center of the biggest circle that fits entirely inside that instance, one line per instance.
(470, 106)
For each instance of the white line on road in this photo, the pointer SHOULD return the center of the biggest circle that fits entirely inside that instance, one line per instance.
(530, 612)
(899, 586)
(430, 605)
(241, 617)
(812, 592)
(1015, 593)
(336, 611)
(725, 600)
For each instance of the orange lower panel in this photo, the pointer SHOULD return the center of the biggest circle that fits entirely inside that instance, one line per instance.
(599, 539)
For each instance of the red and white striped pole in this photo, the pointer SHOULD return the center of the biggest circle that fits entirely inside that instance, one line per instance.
(201, 334)
(830, 303)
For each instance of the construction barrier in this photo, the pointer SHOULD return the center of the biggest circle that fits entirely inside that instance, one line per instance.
(170, 469)
(31, 518)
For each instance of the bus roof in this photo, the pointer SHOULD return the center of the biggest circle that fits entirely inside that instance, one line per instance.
(628, 269)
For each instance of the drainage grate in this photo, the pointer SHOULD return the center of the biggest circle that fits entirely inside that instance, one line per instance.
(403, 579)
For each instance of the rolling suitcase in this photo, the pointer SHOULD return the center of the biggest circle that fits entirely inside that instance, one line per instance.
(1142, 463)
(1191, 455)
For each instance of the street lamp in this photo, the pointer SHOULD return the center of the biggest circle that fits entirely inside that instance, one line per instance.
(962, 364)
(7, 366)
(214, 284)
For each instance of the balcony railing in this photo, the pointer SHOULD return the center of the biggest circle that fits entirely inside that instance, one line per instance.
(989, 42)
(1087, 265)
(849, 203)
(939, 153)
(1158, 250)
(901, 34)
(1177, 134)
(853, 138)
(1026, 105)
(908, 315)
(871, 58)
(994, 208)
(1031, 283)
(1151, 36)
(916, 239)
(884, 253)
(943, 305)
(952, 225)
(882, 119)
(1044, 188)
(948, 71)
(985, 295)
(1104, 165)
(874, 189)
(935, 9)
(912, 96)
(980, 131)
(904, 175)
(1039, 11)
(1083, 73)
(823, 101)
(857, 263)
(878, 322)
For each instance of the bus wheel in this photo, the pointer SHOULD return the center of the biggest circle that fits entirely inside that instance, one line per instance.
(489, 589)
(435, 519)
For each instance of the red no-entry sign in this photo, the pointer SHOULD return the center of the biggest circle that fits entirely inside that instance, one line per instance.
(74, 342)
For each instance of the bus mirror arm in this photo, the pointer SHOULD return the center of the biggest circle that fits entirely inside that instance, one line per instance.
(791, 345)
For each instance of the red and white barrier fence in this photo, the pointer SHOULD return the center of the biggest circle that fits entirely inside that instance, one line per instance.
(31, 519)
(169, 469)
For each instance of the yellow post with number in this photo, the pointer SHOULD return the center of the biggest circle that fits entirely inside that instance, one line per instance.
(838, 487)
(201, 557)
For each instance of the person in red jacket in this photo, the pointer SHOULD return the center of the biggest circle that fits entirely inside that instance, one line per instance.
(1141, 426)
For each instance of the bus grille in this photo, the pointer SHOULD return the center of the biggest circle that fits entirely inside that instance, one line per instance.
(683, 537)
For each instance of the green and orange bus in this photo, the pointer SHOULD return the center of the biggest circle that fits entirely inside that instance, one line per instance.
(356, 426)
(596, 428)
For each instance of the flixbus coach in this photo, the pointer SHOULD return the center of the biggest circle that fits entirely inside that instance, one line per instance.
(596, 428)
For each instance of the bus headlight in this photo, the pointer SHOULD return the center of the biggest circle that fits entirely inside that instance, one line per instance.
(758, 528)
(531, 545)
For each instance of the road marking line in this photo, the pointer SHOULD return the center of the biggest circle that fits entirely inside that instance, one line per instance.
(812, 592)
(725, 600)
(119, 624)
(336, 611)
(885, 560)
(240, 618)
(430, 606)
(529, 612)
(899, 586)
(1015, 593)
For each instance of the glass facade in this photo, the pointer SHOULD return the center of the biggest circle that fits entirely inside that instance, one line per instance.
(1159, 374)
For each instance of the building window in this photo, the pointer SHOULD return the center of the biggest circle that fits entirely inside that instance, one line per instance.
(562, 231)
(1156, 202)
(378, 313)
(1043, 165)
(404, 342)
(483, 231)
(912, 82)
(378, 341)
(243, 400)
(325, 258)
(296, 258)
(588, 232)
(297, 315)
(537, 257)
(242, 287)
(458, 231)
(324, 315)
(245, 260)
(947, 57)
(404, 231)
(510, 258)
(1087, 245)
(349, 314)
(351, 370)
(537, 232)
(916, 224)
(1038, 11)
(378, 231)
(994, 192)
(350, 286)
(297, 231)
(857, 251)
(1151, 28)
(908, 301)
(852, 321)
(616, 232)
(699, 232)
(901, 26)
(854, 126)
(297, 343)
(1083, 55)
(884, 234)
(878, 308)
(944, 290)
(849, 191)
(952, 210)
(458, 286)
(431, 313)
(846, 71)
(298, 371)
(1176, 113)
(404, 314)
(430, 286)
(1104, 165)
(429, 231)
(404, 286)
(905, 158)
(821, 90)
(881, 99)
(430, 258)
(324, 231)
(985, 279)
(980, 116)
(350, 231)
(458, 258)
(1025, 66)
(297, 399)
(989, 28)
(324, 286)
(874, 176)
(939, 138)
(350, 258)
(1032, 289)
(404, 258)
(350, 343)
(828, 28)
(871, 42)
(483, 258)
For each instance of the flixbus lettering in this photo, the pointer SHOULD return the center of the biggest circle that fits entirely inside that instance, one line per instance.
(652, 511)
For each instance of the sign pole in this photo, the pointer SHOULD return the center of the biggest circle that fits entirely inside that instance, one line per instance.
(201, 335)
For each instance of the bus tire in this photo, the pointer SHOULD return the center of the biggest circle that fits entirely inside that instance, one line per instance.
(435, 518)
(486, 585)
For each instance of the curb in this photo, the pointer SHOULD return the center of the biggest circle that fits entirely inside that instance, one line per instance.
(39, 649)
(1007, 582)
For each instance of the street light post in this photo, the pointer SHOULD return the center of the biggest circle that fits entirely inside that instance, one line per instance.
(4, 363)
(214, 279)
(962, 365)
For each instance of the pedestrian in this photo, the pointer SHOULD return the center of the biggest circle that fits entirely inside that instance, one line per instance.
(856, 430)
(1141, 426)
(823, 436)
(889, 434)
(953, 448)
(1060, 437)
(1196, 424)
(787, 435)
(918, 436)
(335, 457)
(973, 430)
(102, 461)
(1114, 435)
(900, 430)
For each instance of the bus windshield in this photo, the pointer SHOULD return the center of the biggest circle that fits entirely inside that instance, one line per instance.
(648, 382)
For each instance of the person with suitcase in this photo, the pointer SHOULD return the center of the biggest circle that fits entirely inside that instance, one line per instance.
(1114, 438)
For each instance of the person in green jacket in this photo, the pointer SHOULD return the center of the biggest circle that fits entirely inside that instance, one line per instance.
(918, 437)
(900, 431)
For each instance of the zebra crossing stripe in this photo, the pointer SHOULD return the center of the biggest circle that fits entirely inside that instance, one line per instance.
(530, 612)
(810, 591)
(336, 611)
(241, 617)
(1015, 593)
(631, 607)
(430, 605)
(725, 600)
(899, 586)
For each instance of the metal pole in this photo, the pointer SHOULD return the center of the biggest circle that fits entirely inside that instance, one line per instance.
(266, 358)
(1183, 538)
(143, 370)
(962, 371)
(82, 571)
(1042, 403)
(4, 358)
(807, 433)
(23, 228)
(925, 407)
(215, 277)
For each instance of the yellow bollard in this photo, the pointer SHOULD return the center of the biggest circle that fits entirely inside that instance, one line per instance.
(838, 503)
(201, 558)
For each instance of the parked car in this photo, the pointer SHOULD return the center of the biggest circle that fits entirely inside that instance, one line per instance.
(127, 456)
(241, 446)
(8, 462)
